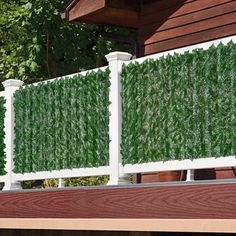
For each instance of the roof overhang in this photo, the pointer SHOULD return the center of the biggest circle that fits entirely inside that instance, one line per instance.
(104, 12)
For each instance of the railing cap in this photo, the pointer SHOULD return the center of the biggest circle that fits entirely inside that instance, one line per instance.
(118, 56)
(12, 83)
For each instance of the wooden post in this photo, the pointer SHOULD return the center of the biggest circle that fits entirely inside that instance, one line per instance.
(10, 87)
(115, 60)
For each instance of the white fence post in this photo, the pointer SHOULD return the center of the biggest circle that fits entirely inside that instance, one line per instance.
(190, 175)
(61, 183)
(10, 87)
(115, 60)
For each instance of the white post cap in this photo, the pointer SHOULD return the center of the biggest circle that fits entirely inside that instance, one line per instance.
(12, 83)
(118, 56)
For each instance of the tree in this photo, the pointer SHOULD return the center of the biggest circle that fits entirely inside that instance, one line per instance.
(36, 44)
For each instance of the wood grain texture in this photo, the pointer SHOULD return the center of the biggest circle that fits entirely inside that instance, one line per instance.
(85, 7)
(153, 5)
(214, 201)
(183, 8)
(125, 225)
(105, 12)
(191, 39)
(192, 28)
(164, 26)
(194, 17)
(112, 16)
(132, 5)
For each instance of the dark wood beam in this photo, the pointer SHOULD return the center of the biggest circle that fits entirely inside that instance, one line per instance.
(123, 13)
(133, 5)
(195, 201)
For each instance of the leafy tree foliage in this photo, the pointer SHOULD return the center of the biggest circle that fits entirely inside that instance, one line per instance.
(36, 44)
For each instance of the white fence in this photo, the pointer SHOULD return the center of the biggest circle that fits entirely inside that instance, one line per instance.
(118, 174)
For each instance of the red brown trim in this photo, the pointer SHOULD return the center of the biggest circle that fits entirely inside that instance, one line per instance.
(215, 201)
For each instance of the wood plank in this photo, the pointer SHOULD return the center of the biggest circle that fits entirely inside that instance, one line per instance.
(148, 202)
(191, 39)
(85, 7)
(188, 19)
(123, 225)
(112, 16)
(132, 5)
(161, 5)
(178, 10)
(191, 28)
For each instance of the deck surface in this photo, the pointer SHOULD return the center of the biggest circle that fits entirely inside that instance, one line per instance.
(211, 200)
(192, 207)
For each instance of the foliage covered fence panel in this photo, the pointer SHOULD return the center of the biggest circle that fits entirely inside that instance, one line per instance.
(171, 111)
(62, 124)
(180, 107)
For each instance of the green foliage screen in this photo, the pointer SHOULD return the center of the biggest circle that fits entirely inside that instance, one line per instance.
(2, 135)
(180, 107)
(62, 124)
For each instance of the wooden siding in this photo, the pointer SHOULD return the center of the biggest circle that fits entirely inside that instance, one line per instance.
(179, 201)
(165, 26)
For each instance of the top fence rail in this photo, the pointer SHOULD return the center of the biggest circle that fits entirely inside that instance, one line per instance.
(82, 73)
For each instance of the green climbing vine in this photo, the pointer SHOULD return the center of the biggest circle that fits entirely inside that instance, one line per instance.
(2, 136)
(62, 124)
(180, 107)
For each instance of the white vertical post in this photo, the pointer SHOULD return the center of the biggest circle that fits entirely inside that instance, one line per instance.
(10, 87)
(115, 60)
(190, 175)
(61, 183)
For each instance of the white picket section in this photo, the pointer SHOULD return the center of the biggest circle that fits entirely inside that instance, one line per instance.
(118, 173)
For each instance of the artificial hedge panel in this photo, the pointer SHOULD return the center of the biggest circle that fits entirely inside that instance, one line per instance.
(180, 107)
(2, 136)
(62, 124)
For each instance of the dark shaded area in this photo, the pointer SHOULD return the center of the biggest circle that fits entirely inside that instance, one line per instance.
(96, 233)
(59, 233)
(205, 174)
(190, 234)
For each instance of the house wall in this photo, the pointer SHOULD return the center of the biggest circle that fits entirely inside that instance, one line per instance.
(165, 25)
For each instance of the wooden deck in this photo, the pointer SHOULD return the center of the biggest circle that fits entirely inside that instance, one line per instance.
(176, 207)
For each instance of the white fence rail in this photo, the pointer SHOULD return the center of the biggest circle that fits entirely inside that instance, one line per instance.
(117, 172)
(83, 73)
(61, 174)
